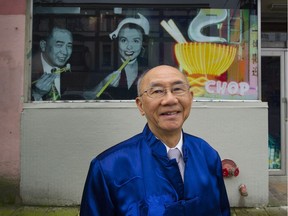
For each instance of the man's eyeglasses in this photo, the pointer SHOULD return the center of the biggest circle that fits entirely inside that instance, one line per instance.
(159, 91)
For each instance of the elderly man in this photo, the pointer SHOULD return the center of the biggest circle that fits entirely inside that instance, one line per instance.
(161, 171)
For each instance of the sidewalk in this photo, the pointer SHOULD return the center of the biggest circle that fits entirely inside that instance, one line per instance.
(74, 211)
(38, 211)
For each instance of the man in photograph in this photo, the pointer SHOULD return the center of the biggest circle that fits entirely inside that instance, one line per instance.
(56, 50)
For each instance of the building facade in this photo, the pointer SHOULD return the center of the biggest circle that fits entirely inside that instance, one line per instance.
(48, 143)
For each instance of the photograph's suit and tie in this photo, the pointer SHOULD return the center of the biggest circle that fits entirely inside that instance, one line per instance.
(136, 177)
(38, 71)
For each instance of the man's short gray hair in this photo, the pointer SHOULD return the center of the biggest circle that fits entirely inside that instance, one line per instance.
(140, 81)
(145, 72)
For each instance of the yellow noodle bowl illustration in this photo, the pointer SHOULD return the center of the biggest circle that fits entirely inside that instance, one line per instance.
(205, 58)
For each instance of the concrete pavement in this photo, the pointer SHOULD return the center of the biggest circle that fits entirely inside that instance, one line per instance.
(74, 211)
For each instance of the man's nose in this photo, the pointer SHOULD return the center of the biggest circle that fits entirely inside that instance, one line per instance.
(169, 97)
(64, 50)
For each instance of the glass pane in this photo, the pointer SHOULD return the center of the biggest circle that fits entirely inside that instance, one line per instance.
(113, 45)
(271, 93)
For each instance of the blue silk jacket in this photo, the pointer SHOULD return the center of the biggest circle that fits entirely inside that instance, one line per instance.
(136, 177)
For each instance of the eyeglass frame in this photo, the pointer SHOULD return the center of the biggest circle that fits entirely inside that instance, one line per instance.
(165, 90)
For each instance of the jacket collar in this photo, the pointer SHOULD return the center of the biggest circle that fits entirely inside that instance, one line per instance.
(156, 146)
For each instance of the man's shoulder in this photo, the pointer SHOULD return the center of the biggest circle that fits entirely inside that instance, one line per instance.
(124, 154)
(36, 62)
(193, 141)
(125, 147)
(201, 149)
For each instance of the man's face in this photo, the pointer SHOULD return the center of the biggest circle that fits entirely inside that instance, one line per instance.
(130, 43)
(58, 48)
(167, 113)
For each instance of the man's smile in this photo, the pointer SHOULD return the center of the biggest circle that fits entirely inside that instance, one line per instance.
(170, 113)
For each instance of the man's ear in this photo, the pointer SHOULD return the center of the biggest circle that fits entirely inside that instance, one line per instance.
(192, 93)
(140, 105)
(43, 45)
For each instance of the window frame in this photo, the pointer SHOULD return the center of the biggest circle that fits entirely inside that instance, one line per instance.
(29, 33)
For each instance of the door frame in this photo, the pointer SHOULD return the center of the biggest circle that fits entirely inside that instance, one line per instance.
(283, 54)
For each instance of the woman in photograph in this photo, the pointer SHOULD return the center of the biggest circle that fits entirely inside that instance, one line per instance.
(121, 84)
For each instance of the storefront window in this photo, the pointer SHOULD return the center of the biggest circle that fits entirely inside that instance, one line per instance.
(97, 51)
